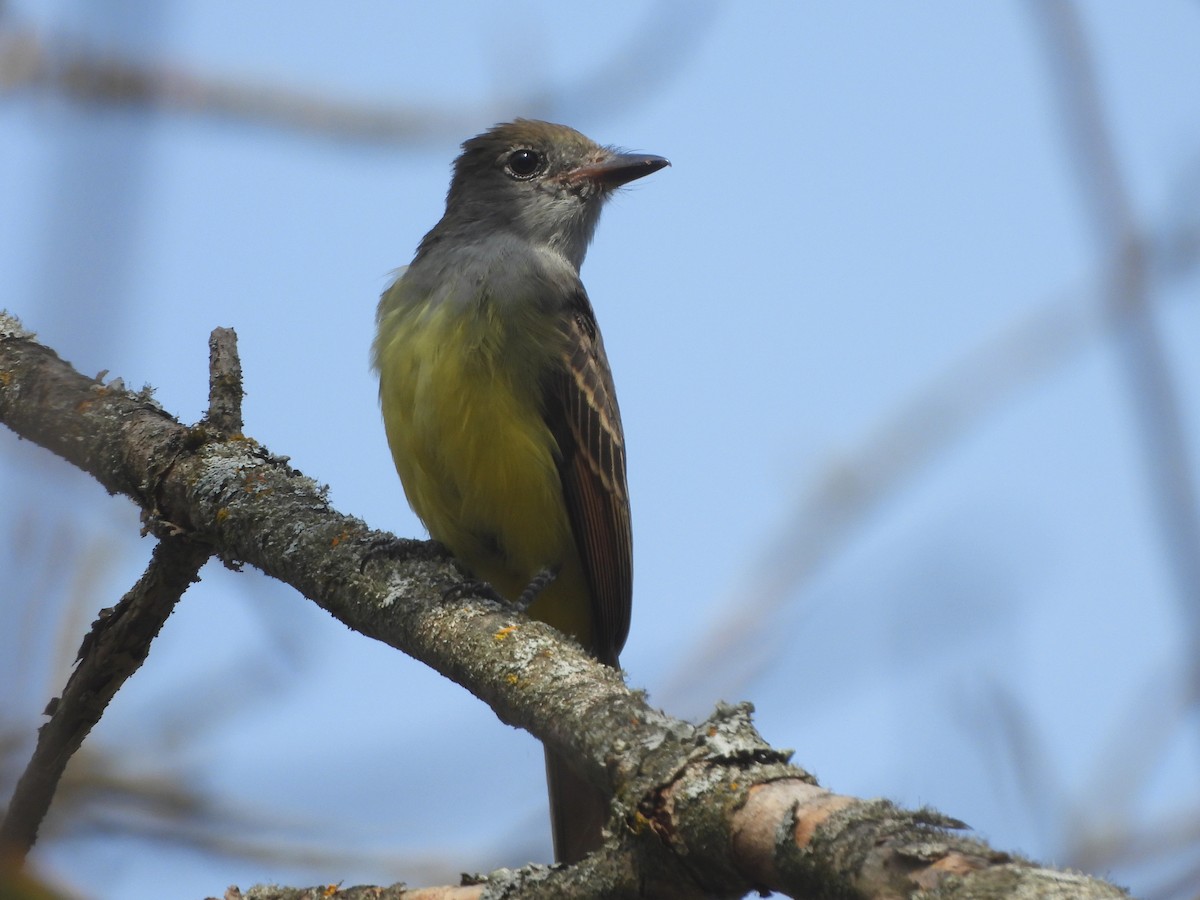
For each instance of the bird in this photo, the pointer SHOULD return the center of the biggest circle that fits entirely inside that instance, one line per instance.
(499, 405)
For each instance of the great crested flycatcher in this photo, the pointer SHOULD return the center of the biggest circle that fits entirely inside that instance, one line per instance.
(499, 405)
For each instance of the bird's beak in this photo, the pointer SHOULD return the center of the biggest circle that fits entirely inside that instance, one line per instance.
(618, 169)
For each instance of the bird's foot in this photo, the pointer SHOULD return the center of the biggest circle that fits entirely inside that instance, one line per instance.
(381, 546)
(384, 546)
(460, 590)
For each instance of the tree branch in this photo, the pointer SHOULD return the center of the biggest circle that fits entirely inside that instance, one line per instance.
(119, 640)
(704, 810)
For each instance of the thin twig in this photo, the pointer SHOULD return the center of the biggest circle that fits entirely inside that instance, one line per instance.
(225, 391)
(114, 649)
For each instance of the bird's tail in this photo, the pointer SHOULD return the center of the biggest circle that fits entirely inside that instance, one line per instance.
(578, 811)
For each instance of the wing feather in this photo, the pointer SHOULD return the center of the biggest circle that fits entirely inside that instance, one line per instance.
(583, 414)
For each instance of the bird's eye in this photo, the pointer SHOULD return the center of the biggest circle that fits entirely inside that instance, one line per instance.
(524, 163)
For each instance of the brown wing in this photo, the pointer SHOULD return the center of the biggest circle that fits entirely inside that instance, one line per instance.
(583, 414)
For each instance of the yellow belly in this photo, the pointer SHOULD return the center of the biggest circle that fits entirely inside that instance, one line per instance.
(461, 406)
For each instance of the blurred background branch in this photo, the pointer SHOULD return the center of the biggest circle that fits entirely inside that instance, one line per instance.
(32, 61)
(922, 429)
(1125, 301)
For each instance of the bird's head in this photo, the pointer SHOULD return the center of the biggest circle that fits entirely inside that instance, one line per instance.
(544, 182)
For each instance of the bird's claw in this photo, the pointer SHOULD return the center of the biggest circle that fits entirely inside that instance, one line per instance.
(463, 589)
(384, 547)
(460, 590)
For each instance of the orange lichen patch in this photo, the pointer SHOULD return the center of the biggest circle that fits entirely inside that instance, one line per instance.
(222, 514)
(344, 536)
(638, 823)
(512, 678)
(504, 632)
(6, 378)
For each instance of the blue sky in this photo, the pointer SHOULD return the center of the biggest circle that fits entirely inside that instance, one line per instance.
(863, 198)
